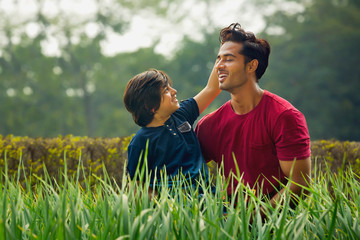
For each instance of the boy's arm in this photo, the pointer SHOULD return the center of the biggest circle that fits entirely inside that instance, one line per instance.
(209, 93)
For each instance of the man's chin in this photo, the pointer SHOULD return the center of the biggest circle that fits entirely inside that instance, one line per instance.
(222, 87)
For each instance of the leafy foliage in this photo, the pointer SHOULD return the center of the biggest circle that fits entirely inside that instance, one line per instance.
(53, 154)
(79, 90)
(313, 65)
(96, 153)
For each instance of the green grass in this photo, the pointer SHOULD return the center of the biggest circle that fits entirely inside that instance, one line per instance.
(65, 209)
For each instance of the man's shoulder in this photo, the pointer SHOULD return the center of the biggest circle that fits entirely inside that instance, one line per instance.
(276, 104)
(282, 111)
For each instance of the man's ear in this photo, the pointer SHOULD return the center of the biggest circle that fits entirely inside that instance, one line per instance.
(252, 65)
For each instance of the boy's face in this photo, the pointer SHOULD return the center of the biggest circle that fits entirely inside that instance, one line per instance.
(169, 104)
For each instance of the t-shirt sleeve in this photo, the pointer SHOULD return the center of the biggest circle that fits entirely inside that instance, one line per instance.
(189, 110)
(292, 138)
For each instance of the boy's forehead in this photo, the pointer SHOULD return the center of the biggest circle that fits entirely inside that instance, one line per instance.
(167, 83)
(163, 88)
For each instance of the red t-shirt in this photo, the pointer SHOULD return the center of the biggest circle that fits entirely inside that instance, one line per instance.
(274, 130)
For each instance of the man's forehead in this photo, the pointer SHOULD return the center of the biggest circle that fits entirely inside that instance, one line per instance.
(230, 48)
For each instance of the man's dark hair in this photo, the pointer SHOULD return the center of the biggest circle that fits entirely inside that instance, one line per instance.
(253, 48)
(143, 93)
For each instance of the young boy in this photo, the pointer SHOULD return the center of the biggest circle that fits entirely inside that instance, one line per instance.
(166, 126)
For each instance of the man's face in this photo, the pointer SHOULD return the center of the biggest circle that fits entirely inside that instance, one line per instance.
(230, 66)
(169, 103)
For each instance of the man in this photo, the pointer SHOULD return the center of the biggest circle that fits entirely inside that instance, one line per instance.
(258, 132)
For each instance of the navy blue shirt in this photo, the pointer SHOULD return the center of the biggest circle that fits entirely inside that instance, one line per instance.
(173, 146)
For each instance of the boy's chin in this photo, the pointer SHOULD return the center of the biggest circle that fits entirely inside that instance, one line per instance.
(177, 107)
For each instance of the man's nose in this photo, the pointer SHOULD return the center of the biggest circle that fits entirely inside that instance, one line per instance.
(219, 64)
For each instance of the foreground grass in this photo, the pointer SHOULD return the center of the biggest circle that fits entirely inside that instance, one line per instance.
(46, 209)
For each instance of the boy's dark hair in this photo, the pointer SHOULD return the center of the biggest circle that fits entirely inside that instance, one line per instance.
(143, 93)
(253, 48)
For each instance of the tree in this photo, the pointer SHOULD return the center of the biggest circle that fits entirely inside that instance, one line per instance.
(313, 64)
(62, 92)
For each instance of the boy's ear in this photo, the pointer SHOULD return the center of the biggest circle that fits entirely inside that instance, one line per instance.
(148, 109)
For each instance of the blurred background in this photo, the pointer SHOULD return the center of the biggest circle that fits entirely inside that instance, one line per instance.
(64, 64)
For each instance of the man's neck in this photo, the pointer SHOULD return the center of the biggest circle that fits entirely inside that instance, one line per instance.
(246, 99)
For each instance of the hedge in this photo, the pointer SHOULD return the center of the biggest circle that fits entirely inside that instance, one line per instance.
(96, 153)
(51, 153)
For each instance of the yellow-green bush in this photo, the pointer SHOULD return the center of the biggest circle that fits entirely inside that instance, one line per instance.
(338, 155)
(111, 153)
(51, 152)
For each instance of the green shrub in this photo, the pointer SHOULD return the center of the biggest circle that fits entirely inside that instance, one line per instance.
(37, 153)
(338, 155)
(95, 153)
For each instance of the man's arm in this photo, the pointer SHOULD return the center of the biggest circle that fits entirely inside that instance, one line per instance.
(209, 93)
(299, 171)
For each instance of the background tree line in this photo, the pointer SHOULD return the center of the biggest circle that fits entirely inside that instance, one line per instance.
(313, 64)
